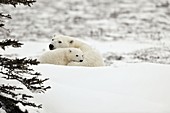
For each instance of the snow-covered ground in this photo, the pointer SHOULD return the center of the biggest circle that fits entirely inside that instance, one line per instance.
(134, 88)
(133, 37)
(121, 87)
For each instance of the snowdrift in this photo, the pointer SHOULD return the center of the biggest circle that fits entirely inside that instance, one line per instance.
(134, 88)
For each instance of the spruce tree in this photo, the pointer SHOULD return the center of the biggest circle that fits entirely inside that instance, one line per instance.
(17, 69)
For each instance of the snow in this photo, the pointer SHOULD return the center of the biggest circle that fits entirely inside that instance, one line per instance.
(125, 46)
(120, 87)
(126, 87)
(133, 88)
(132, 36)
(2, 111)
(129, 87)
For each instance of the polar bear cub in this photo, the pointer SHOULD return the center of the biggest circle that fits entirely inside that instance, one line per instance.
(62, 56)
(92, 57)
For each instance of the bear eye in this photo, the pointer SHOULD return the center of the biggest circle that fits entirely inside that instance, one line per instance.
(71, 41)
(77, 55)
(59, 42)
(52, 39)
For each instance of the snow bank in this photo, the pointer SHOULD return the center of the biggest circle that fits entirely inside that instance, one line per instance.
(132, 88)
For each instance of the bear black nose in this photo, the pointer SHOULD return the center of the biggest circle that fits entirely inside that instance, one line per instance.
(81, 60)
(51, 47)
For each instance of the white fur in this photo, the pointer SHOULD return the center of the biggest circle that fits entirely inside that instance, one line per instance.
(92, 57)
(61, 56)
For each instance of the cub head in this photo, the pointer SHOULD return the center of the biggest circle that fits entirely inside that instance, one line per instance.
(75, 55)
(61, 41)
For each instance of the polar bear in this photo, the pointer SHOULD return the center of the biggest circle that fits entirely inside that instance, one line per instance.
(92, 57)
(62, 56)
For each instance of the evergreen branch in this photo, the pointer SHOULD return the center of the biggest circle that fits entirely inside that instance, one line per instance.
(24, 96)
(1, 25)
(13, 69)
(29, 104)
(8, 90)
(15, 100)
(7, 87)
(10, 104)
(17, 2)
(9, 42)
(6, 16)
(16, 67)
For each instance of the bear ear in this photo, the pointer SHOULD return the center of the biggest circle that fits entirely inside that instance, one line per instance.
(71, 41)
(70, 50)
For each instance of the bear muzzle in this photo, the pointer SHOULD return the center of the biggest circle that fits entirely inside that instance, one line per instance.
(51, 47)
(81, 60)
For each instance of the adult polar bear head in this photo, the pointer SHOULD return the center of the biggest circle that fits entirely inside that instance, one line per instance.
(61, 41)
